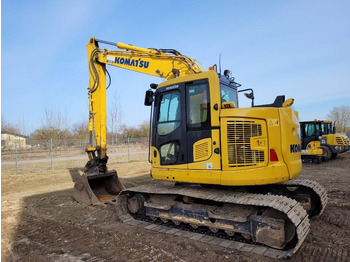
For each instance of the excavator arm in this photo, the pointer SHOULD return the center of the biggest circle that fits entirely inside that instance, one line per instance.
(164, 63)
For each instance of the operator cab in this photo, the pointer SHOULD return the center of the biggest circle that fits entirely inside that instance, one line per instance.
(183, 113)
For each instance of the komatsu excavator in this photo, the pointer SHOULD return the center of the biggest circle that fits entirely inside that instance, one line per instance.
(218, 169)
(320, 142)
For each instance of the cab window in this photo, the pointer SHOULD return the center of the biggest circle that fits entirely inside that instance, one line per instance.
(228, 94)
(198, 105)
(310, 129)
(168, 153)
(169, 117)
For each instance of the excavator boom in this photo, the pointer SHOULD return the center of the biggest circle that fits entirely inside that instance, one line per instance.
(97, 181)
(164, 63)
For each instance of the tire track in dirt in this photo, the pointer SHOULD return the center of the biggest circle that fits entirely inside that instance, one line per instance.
(69, 240)
(336, 218)
(56, 239)
(319, 254)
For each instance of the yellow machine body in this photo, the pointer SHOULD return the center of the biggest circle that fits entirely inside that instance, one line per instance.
(239, 162)
(337, 140)
(313, 148)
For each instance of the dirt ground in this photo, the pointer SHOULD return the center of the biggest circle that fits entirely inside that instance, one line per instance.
(40, 221)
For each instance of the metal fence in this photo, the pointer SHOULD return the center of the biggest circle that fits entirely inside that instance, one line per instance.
(54, 152)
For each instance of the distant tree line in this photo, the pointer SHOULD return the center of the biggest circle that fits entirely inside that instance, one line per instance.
(9, 128)
(56, 129)
(341, 116)
(55, 126)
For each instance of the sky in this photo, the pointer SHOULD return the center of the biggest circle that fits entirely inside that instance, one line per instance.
(296, 48)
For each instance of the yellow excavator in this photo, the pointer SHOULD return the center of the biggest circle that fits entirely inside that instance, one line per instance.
(320, 142)
(219, 170)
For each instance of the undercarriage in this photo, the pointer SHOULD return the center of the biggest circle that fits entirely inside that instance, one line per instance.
(272, 220)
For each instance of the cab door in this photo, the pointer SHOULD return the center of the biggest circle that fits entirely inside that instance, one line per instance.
(181, 130)
(198, 135)
(169, 125)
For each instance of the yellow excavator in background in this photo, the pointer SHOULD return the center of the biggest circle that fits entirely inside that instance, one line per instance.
(225, 171)
(320, 142)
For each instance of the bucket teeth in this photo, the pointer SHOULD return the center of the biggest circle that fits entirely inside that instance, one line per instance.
(97, 188)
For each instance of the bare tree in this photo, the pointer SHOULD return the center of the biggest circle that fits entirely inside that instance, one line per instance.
(341, 115)
(80, 130)
(55, 119)
(13, 129)
(144, 129)
(114, 117)
(54, 125)
(132, 132)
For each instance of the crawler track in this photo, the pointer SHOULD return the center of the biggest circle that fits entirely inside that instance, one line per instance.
(313, 187)
(289, 207)
(310, 194)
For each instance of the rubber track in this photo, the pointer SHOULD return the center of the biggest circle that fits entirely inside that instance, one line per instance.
(290, 207)
(316, 187)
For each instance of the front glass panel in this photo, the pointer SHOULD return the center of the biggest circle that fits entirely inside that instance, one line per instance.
(309, 129)
(168, 153)
(327, 128)
(228, 94)
(169, 117)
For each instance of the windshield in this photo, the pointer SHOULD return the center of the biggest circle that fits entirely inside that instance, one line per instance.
(228, 94)
(327, 128)
(169, 117)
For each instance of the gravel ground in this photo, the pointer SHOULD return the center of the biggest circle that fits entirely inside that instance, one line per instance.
(40, 221)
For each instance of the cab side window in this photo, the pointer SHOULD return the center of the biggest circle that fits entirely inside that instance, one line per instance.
(228, 94)
(310, 129)
(198, 106)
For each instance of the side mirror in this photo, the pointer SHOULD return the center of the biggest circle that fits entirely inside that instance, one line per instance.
(249, 95)
(148, 98)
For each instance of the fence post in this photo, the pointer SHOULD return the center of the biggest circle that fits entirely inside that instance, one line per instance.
(16, 158)
(51, 153)
(128, 149)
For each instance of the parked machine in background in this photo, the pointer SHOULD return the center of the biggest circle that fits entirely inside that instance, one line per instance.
(320, 142)
(225, 170)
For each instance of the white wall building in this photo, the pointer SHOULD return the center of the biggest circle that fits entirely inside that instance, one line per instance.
(9, 141)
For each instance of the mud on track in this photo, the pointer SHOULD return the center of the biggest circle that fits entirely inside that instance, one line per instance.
(41, 222)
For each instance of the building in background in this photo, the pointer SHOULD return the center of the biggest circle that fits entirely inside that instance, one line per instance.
(9, 141)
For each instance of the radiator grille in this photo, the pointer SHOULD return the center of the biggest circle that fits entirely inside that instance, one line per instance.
(340, 140)
(239, 135)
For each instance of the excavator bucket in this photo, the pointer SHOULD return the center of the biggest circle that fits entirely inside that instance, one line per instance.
(97, 188)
